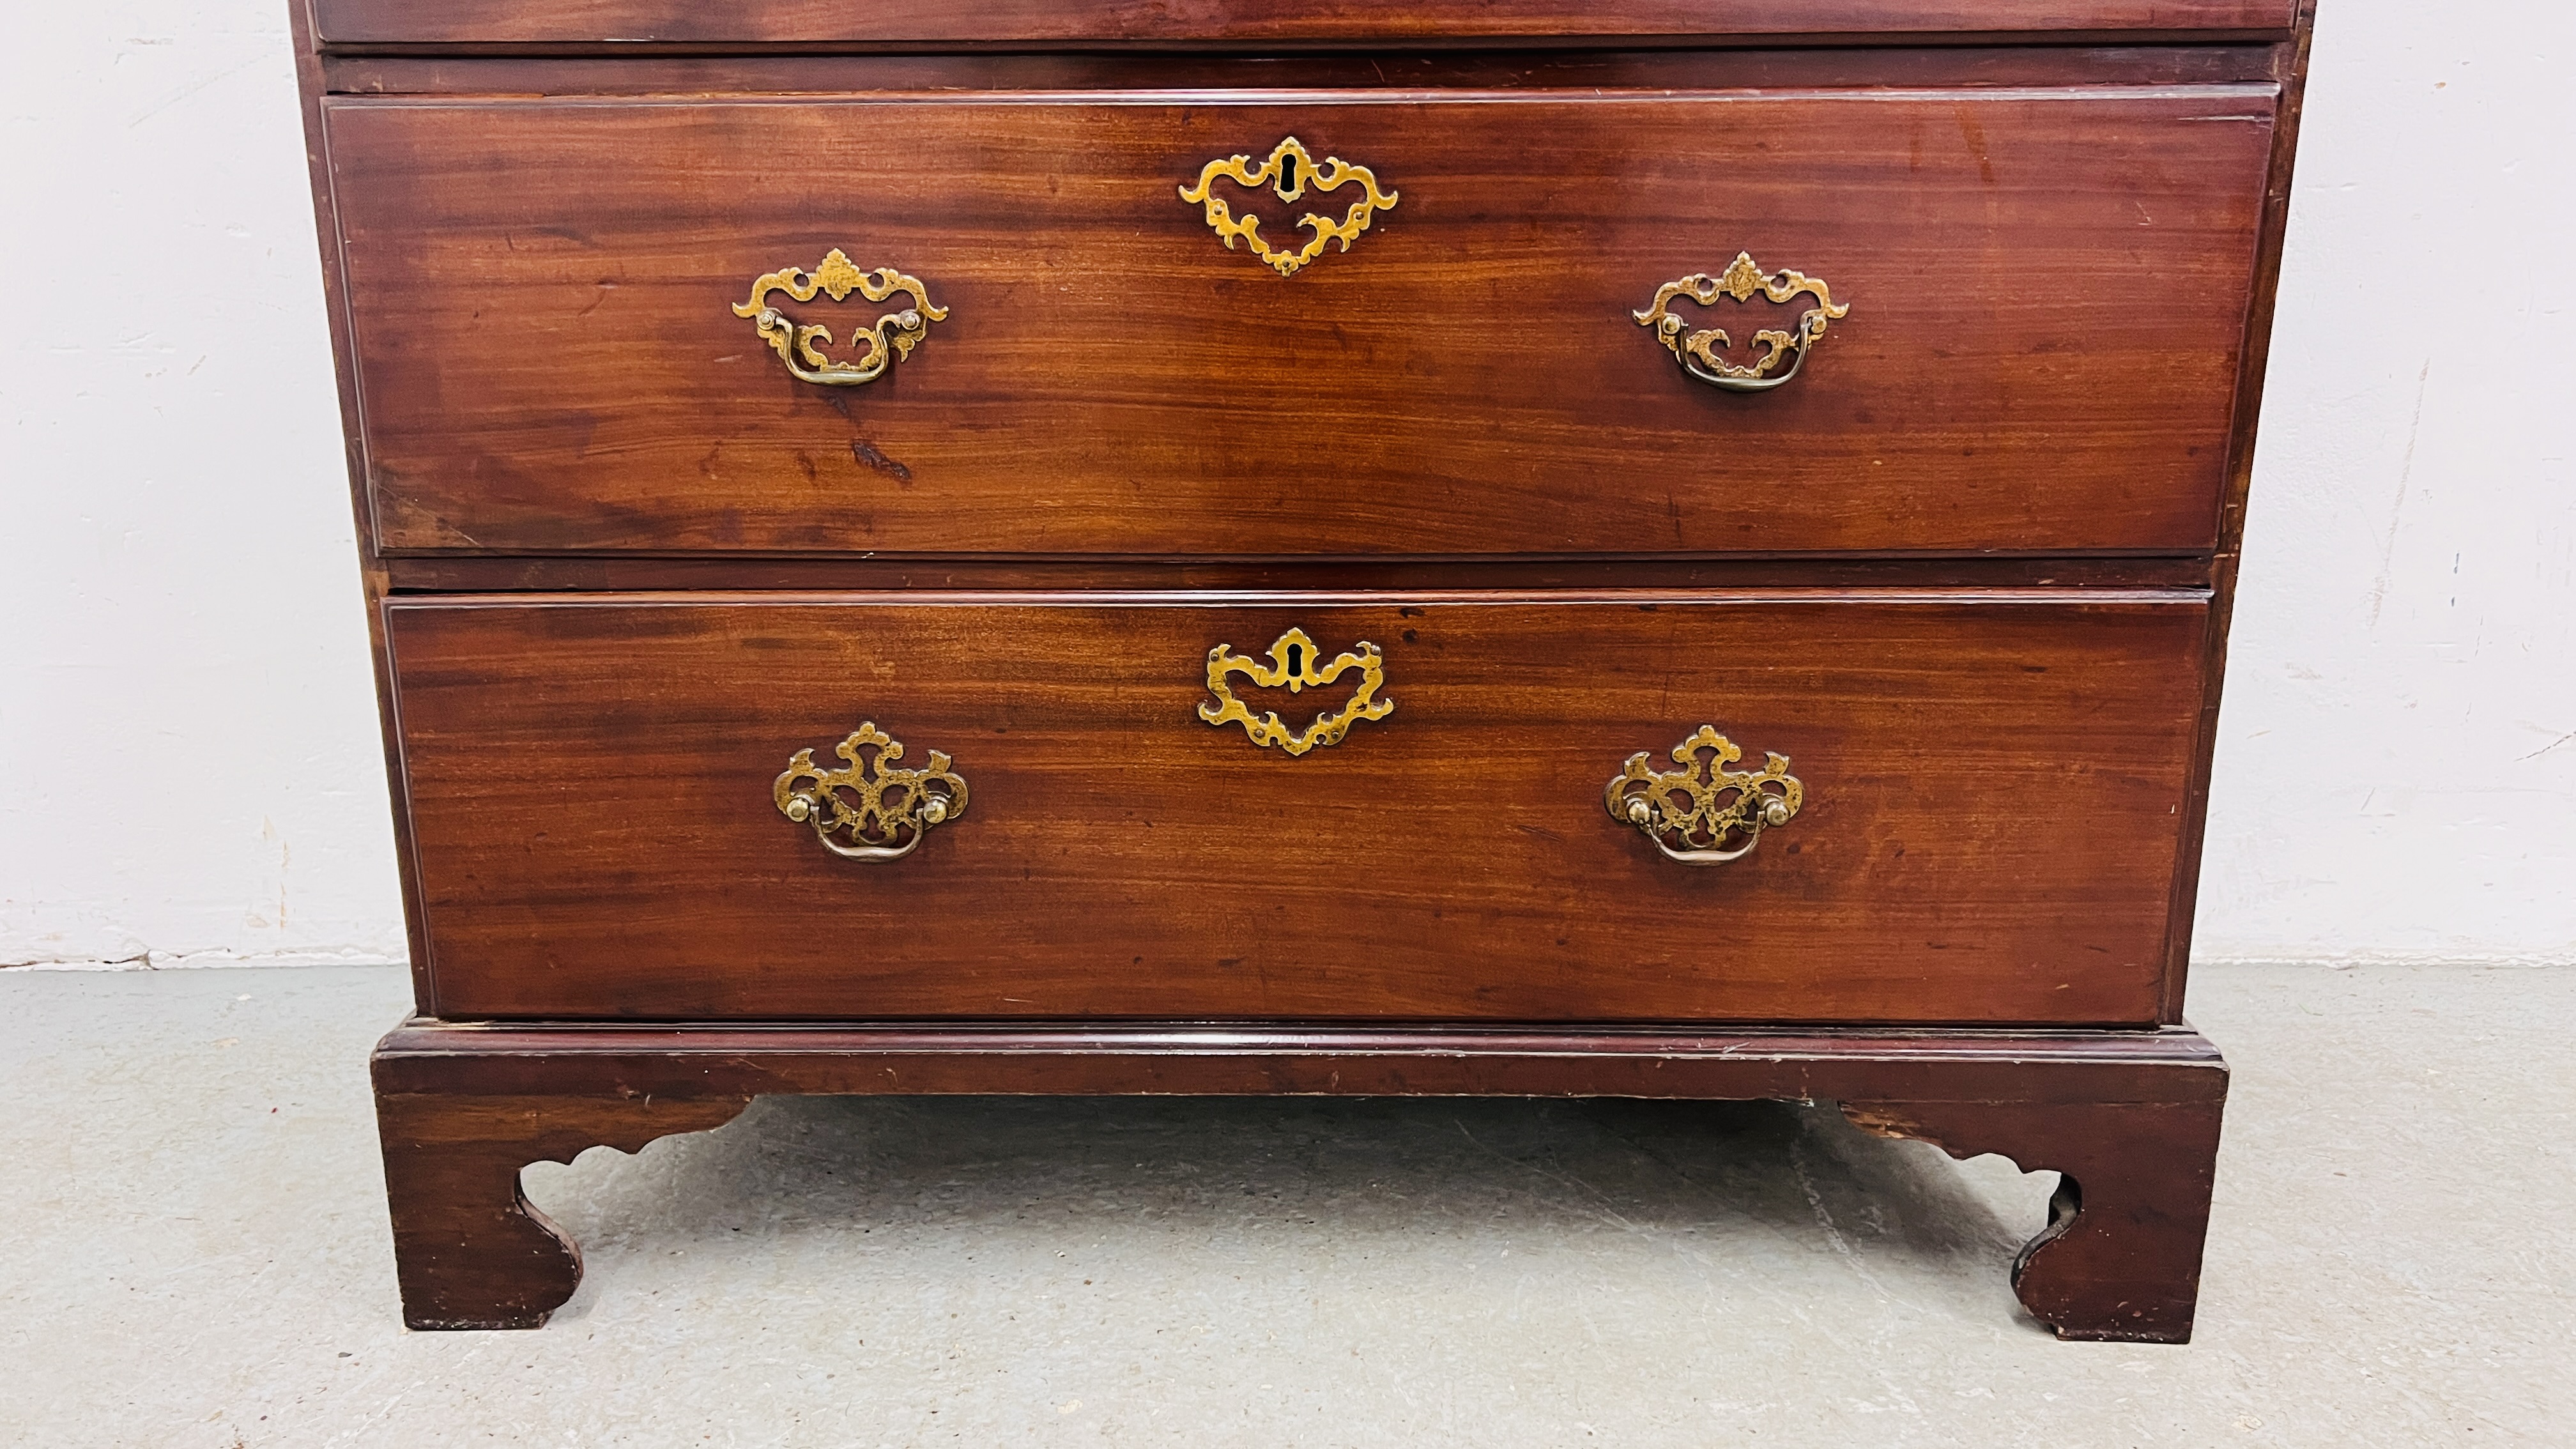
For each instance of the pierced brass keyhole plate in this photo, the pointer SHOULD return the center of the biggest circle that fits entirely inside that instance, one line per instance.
(1287, 172)
(1296, 663)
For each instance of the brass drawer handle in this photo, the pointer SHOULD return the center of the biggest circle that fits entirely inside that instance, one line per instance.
(1298, 664)
(1698, 351)
(1704, 805)
(895, 807)
(1288, 170)
(895, 334)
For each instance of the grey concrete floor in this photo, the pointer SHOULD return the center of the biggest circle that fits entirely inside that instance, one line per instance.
(195, 1253)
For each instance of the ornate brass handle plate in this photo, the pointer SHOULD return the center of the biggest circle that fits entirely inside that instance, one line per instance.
(1298, 664)
(894, 335)
(1711, 813)
(1287, 172)
(1698, 351)
(882, 812)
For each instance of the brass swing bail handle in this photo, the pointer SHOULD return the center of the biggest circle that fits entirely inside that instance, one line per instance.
(870, 808)
(1700, 352)
(894, 335)
(1704, 813)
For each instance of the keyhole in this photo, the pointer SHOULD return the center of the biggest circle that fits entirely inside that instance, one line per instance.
(1296, 661)
(1288, 186)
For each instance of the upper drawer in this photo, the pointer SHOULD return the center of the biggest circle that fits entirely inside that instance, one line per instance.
(2047, 296)
(1239, 22)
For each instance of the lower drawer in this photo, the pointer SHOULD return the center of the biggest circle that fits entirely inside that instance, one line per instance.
(1986, 799)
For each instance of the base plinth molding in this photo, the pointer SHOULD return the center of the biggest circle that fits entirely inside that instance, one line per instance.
(2129, 1119)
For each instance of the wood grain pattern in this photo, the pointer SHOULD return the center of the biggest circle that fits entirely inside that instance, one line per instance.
(1963, 571)
(326, 218)
(2290, 63)
(729, 23)
(469, 1249)
(1770, 67)
(2049, 294)
(1989, 832)
(468, 573)
(2120, 1258)
(425, 1056)
(2131, 1118)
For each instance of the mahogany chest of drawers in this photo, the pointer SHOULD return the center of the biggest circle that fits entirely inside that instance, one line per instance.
(1256, 546)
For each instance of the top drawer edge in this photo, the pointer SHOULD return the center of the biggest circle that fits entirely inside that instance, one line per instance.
(719, 26)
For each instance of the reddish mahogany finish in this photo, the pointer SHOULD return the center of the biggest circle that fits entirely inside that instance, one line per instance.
(532, 573)
(2048, 295)
(1989, 833)
(1236, 24)
(2129, 1119)
(1972, 571)
(1825, 67)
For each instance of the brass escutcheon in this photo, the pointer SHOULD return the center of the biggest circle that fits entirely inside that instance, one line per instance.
(1287, 172)
(1712, 813)
(1298, 664)
(1698, 351)
(894, 335)
(894, 809)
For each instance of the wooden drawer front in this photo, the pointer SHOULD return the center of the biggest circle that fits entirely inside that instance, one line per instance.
(2047, 296)
(1093, 22)
(1988, 830)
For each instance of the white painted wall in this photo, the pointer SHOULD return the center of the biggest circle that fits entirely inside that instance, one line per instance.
(189, 762)
(188, 756)
(2397, 759)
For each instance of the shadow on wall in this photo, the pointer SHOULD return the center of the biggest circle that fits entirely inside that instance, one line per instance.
(1020, 1195)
